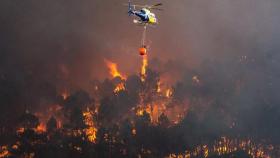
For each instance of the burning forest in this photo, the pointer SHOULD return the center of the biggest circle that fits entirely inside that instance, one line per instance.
(72, 83)
(137, 116)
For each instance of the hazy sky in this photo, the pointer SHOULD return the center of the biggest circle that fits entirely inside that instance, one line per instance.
(73, 37)
(188, 28)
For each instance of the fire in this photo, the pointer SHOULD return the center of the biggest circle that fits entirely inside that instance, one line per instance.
(52, 111)
(41, 128)
(65, 95)
(15, 147)
(119, 87)
(158, 87)
(140, 111)
(160, 107)
(154, 111)
(115, 73)
(91, 130)
(59, 124)
(168, 93)
(20, 130)
(4, 152)
(144, 67)
(133, 131)
(114, 69)
(227, 146)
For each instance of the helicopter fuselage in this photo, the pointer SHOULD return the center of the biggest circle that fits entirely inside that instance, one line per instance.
(145, 15)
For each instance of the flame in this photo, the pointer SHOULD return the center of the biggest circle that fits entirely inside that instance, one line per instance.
(168, 93)
(4, 152)
(52, 111)
(114, 69)
(41, 128)
(20, 130)
(91, 130)
(59, 124)
(144, 67)
(226, 146)
(133, 131)
(158, 87)
(140, 111)
(115, 73)
(15, 146)
(65, 95)
(119, 87)
(154, 111)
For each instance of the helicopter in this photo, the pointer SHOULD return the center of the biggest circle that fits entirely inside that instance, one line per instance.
(145, 16)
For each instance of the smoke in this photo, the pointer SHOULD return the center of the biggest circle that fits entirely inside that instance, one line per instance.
(232, 46)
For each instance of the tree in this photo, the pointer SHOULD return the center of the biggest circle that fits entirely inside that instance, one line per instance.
(28, 120)
(51, 124)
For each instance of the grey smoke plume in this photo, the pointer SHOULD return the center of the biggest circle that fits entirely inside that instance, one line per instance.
(47, 46)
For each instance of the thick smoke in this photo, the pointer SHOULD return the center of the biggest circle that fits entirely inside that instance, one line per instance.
(231, 46)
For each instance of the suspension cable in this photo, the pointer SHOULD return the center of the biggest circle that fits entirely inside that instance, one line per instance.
(144, 36)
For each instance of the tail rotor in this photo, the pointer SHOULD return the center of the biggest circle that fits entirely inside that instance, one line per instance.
(129, 8)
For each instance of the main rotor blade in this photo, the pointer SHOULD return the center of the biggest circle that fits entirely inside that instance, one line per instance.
(158, 4)
(133, 5)
(156, 9)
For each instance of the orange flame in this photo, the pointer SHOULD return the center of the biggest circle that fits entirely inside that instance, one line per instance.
(41, 128)
(168, 93)
(158, 87)
(91, 130)
(65, 95)
(4, 152)
(20, 130)
(154, 110)
(119, 87)
(133, 131)
(226, 146)
(114, 69)
(144, 67)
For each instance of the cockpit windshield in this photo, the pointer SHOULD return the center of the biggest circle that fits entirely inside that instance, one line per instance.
(143, 11)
